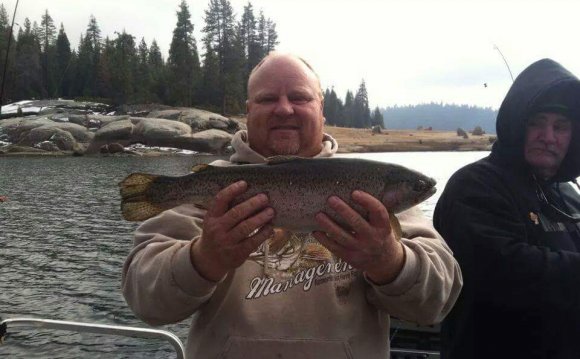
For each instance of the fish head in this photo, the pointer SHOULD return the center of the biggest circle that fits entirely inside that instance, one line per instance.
(407, 193)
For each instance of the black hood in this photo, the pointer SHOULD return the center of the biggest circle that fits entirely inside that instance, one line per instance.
(542, 82)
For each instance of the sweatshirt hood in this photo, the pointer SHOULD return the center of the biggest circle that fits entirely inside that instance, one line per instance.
(244, 153)
(543, 86)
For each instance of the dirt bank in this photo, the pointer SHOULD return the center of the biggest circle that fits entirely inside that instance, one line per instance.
(363, 140)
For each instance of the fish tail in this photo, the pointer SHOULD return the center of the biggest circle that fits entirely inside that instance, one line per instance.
(136, 184)
(135, 203)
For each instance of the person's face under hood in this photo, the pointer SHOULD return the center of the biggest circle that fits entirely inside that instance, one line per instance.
(547, 140)
(544, 86)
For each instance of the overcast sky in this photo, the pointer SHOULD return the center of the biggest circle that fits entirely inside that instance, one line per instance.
(407, 51)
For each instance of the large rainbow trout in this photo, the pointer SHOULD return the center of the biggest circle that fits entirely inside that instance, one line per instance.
(297, 188)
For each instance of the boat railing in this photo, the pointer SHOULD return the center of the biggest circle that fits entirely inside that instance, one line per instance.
(134, 332)
(147, 333)
(400, 353)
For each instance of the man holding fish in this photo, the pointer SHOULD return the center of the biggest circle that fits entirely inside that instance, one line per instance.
(285, 252)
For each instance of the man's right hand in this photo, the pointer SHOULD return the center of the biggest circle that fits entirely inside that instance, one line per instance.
(228, 236)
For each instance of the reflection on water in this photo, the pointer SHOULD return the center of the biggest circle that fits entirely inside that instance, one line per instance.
(63, 243)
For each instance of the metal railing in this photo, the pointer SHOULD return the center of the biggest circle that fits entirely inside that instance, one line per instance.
(134, 332)
(146, 333)
(397, 353)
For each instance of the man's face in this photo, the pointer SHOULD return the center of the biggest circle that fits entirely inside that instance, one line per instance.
(547, 138)
(284, 109)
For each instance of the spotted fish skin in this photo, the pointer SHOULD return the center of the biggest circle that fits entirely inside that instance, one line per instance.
(297, 188)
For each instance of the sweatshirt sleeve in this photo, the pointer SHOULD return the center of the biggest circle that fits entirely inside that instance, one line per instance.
(480, 220)
(160, 284)
(430, 281)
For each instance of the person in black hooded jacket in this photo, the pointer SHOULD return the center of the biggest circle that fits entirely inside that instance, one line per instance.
(512, 221)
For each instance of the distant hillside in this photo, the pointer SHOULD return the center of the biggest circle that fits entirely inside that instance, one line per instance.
(440, 117)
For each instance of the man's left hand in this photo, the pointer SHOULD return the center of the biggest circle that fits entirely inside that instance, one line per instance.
(370, 246)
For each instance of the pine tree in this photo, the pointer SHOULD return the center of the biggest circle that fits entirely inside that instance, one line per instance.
(7, 62)
(361, 112)
(28, 76)
(93, 34)
(104, 79)
(377, 119)
(158, 74)
(247, 30)
(47, 31)
(143, 79)
(262, 34)
(348, 112)
(47, 34)
(183, 62)
(88, 60)
(272, 36)
(332, 108)
(63, 64)
(210, 87)
(124, 68)
(220, 35)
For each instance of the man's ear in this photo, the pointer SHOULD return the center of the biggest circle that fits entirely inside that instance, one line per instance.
(247, 106)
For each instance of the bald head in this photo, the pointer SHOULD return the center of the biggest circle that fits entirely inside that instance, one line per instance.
(276, 60)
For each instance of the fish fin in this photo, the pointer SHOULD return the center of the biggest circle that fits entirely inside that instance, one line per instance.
(395, 226)
(201, 167)
(283, 158)
(134, 203)
(139, 211)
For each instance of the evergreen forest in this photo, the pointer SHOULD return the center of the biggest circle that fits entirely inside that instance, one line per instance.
(125, 70)
(41, 64)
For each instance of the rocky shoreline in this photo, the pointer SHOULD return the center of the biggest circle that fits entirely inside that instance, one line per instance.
(64, 128)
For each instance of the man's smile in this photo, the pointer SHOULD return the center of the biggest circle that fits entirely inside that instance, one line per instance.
(287, 127)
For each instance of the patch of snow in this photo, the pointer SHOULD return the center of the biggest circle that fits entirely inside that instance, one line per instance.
(3, 143)
(13, 107)
(139, 146)
(31, 109)
(187, 152)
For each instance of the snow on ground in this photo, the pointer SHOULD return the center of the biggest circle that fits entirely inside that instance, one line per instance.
(139, 146)
(13, 107)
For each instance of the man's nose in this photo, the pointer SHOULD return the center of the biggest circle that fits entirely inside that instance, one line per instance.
(548, 134)
(283, 107)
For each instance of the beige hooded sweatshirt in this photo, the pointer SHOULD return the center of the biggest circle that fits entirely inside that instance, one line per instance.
(292, 298)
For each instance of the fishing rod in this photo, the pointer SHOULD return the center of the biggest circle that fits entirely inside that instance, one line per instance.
(6, 60)
(505, 61)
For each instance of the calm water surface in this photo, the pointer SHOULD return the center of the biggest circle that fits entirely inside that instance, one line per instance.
(63, 243)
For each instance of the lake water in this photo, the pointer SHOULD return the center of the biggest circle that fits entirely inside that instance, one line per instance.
(63, 244)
